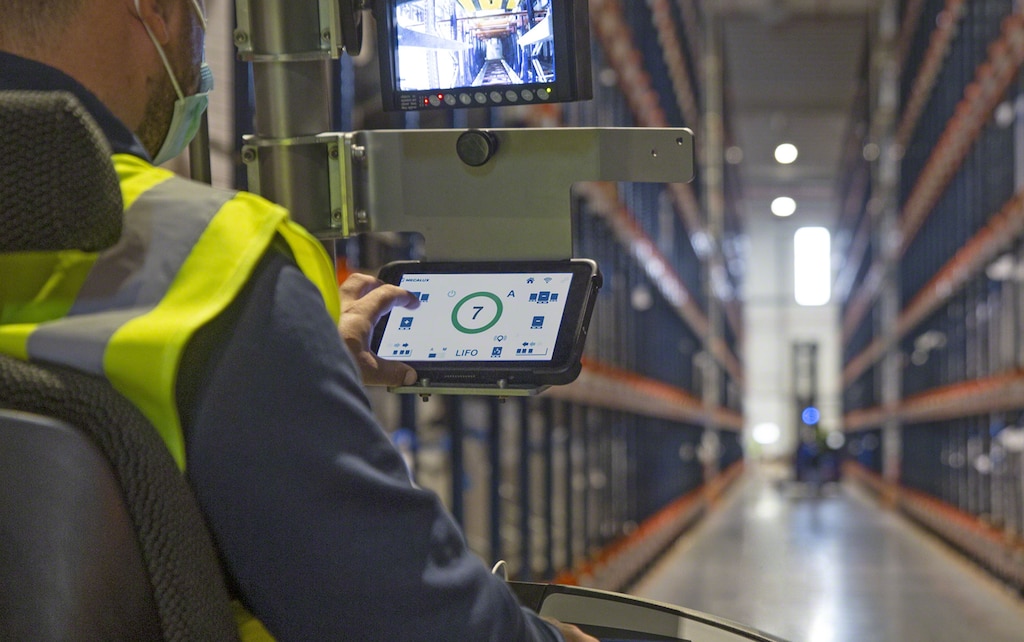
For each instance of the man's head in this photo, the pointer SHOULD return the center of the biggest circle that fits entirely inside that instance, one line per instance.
(113, 47)
(24, 23)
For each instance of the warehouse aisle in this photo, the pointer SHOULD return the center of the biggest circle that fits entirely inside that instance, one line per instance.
(829, 568)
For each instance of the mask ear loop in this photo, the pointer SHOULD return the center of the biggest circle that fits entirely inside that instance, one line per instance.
(199, 12)
(160, 50)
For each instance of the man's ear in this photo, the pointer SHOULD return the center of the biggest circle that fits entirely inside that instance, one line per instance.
(153, 15)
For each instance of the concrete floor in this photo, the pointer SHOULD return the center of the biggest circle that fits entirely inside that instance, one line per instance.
(829, 568)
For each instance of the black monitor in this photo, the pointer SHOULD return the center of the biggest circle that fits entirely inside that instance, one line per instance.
(443, 54)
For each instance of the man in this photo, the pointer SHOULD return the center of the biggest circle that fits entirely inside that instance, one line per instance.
(217, 316)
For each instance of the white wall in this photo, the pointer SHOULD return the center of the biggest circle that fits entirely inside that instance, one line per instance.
(773, 322)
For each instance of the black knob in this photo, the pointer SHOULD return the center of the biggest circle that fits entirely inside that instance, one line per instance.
(476, 146)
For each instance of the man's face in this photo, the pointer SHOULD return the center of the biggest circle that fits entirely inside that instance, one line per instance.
(185, 53)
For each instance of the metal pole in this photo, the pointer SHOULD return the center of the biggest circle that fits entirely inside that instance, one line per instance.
(199, 153)
(714, 195)
(585, 419)
(407, 419)
(568, 419)
(456, 432)
(525, 455)
(243, 118)
(293, 88)
(494, 454)
(886, 177)
(549, 487)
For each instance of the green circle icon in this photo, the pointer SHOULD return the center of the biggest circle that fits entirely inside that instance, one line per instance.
(476, 313)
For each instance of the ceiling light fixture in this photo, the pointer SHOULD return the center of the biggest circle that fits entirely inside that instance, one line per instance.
(783, 206)
(786, 153)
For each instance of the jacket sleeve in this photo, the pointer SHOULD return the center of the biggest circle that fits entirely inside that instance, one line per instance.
(321, 530)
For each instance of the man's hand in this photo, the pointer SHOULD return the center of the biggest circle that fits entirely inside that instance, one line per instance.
(570, 632)
(364, 300)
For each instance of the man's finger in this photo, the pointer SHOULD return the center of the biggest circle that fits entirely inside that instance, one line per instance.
(357, 285)
(384, 297)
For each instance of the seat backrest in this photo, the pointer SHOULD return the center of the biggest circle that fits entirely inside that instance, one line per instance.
(70, 560)
(58, 189)
(100, 536)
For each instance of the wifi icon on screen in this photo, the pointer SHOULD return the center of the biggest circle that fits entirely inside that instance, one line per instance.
(547, 279)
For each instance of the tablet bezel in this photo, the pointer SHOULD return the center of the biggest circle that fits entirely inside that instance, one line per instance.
(564, 365)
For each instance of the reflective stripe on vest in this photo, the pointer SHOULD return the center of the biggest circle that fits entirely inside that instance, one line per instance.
(128, 313)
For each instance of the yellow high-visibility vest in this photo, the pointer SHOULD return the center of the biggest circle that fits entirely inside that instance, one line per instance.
(127, 313)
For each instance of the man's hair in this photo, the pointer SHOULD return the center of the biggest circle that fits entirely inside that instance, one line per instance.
(34, 22)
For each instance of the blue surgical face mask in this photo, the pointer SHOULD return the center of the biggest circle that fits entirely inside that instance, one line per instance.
(188, 110)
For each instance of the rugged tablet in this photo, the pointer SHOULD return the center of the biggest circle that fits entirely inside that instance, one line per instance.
(508, 323)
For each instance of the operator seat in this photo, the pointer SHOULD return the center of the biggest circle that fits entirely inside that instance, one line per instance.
(100, 535)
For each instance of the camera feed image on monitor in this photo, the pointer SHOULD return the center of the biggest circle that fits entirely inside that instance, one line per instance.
(481, 44)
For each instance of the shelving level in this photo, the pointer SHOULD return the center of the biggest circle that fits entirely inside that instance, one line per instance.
(933, 317)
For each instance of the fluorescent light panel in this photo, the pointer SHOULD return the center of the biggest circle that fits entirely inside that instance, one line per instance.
(812, 267)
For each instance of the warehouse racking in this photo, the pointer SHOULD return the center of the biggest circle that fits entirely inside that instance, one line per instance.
(932, 314)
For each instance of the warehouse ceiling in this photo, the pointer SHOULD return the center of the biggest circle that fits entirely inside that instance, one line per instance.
(793, 70)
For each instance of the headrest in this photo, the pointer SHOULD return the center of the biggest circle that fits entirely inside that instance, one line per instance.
(58, 188)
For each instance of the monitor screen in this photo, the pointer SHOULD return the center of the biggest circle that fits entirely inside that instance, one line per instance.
(479, 53)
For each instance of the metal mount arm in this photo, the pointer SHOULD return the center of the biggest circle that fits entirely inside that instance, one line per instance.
(518, 203)
(514, 204)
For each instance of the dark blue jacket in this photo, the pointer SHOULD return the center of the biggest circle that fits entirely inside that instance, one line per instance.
(322, 533)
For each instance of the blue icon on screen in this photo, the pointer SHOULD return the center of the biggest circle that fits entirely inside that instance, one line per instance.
(538, 322)
(406, 323)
